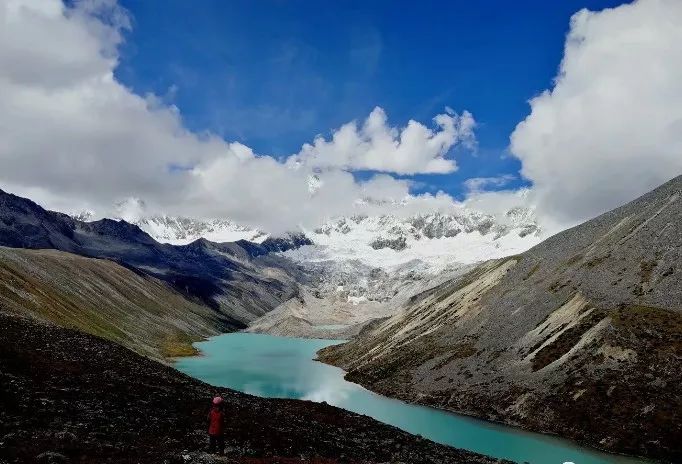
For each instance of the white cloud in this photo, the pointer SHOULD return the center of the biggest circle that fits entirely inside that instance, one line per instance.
(72, 137)
(377, 146)
(611, 127)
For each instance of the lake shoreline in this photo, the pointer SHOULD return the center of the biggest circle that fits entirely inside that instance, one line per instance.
(520, 427)
(427, 413)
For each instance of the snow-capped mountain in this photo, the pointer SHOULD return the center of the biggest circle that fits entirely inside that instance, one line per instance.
(439, 239)
(177, 230)
(367, 267)
(384, 241)
(359, 268)
(182, 230)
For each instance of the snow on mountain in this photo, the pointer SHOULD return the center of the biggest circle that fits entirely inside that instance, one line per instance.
(367, 267)
(438, 239)
(359, 268)
(181, 230)
(176, 230)
(85, 215)
(385, 241)
(314, 184)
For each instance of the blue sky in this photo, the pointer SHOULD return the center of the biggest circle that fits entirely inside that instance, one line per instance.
(273, 74)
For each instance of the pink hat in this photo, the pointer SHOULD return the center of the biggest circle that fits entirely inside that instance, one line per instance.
(217, 400)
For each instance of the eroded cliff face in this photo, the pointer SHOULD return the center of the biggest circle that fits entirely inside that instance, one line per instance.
(580, 336)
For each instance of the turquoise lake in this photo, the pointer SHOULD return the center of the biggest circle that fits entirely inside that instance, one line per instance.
(280, 367)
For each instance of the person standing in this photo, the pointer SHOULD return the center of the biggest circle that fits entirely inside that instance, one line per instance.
(216, 427)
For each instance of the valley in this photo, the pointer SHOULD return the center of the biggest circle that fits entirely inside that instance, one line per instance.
(283, 367)
(462, 318)
(300, 232)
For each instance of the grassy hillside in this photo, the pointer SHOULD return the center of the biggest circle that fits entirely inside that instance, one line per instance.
(103, 298)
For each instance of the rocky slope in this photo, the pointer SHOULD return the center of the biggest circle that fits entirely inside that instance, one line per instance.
(342, 297)
(103, 298)
(579, 336)
(363, 268)
(70, 397)
(238, 280)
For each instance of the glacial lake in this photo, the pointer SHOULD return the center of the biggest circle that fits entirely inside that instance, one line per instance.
(280, 367)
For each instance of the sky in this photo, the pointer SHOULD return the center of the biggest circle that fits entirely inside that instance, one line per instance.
(272, 74)
(286, 113)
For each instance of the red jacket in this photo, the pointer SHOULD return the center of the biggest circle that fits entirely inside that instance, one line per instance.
(216, 421)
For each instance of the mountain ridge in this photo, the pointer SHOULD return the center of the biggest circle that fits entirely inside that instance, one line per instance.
(362, 236)
(100, 297)
(237, 282)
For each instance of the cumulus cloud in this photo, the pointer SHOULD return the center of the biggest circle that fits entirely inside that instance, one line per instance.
(377, 146)
(611, 127)
(73, 137)
(66, 125)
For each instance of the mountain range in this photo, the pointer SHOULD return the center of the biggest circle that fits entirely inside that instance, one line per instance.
(352, 269)
(577, 334)
(464, 235)
(240, 281)
(88, 308)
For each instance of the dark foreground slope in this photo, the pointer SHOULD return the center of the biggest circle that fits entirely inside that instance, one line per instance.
(232, 278)
(580, 336)
(66, 396)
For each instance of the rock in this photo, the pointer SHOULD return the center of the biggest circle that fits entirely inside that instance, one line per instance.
(397, 243)
(51, 457)
(66, 437)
